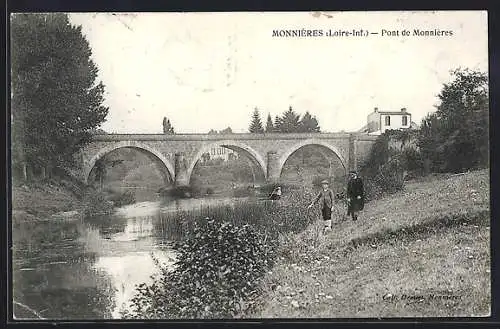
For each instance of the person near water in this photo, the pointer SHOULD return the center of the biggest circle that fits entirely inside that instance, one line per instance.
(355, 195)
(326, 199)
(275, 194)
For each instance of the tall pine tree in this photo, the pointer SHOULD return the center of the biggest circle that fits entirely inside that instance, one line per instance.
(256, 124)
(309, 123)
(269, 124)
(289, 122)
(56, 99)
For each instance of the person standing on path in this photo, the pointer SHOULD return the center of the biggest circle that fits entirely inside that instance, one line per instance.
(355, 195)
(326, 199)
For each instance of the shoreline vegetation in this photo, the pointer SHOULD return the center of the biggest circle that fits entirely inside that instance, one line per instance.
(63, 199)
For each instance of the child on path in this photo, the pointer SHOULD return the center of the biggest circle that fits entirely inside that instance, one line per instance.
(326, 199)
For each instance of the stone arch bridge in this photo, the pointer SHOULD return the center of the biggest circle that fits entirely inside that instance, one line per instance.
(179, 153)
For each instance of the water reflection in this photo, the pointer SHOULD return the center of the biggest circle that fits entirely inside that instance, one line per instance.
(53, 276)
(89, 269)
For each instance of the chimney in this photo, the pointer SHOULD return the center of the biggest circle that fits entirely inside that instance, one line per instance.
(403, 109)
(375, 109)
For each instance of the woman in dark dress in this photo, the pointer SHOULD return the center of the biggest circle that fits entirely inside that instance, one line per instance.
(355, 195)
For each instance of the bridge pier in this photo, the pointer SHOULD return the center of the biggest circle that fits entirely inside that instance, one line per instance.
(273, 167)
(181, 170)
(351, 162)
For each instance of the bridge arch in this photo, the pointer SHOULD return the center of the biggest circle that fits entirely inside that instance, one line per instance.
(308, 142)
(129, 144)
(254, 156)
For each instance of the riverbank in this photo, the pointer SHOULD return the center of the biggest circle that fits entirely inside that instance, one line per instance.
(421, 252)
(62, 199)
(42, 201)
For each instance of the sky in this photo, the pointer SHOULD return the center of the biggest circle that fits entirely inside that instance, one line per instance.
(208, 71)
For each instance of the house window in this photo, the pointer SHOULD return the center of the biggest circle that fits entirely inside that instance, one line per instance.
(405, 120)
(387, 120)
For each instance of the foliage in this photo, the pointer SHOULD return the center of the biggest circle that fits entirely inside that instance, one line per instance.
(56, 102)
(309, 123)
(276, 123)
(393, 154)
(96, 203)
(289, 122)
(455, 137)
(205, 156)
(167, 127)
(122, 199)
(269, 124)
(256, 123)
(227, 130)
(218, 265)
(101, 168)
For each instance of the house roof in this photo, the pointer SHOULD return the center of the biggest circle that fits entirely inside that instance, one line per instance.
(393, 112)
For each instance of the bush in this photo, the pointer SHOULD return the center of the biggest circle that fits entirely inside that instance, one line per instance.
(218, 266)
(388, 180)
(122, 199)
(182, 192)
(96, 203)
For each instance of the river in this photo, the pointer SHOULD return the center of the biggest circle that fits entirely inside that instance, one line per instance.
(88, 268)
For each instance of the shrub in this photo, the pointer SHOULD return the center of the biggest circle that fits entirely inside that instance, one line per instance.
(122, 199)
(388, 179)
(96, 203)
(218, 266)
(182, 192)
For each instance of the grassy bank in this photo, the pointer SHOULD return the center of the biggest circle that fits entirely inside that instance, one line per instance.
(39, 201)
(422, 252)
(62, 199)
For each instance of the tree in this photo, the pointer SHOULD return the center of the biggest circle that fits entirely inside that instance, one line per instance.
(101, 169)
(167, 127)
(455, 138)
(269, 124)
(98, 131)
(256, 124)
(309, 123)
(205, 156)
(277, 122)
(56, 100)
(228, 130)
(289, 122)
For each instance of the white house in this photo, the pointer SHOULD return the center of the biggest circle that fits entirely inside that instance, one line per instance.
(220, 153)
(380, 121)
